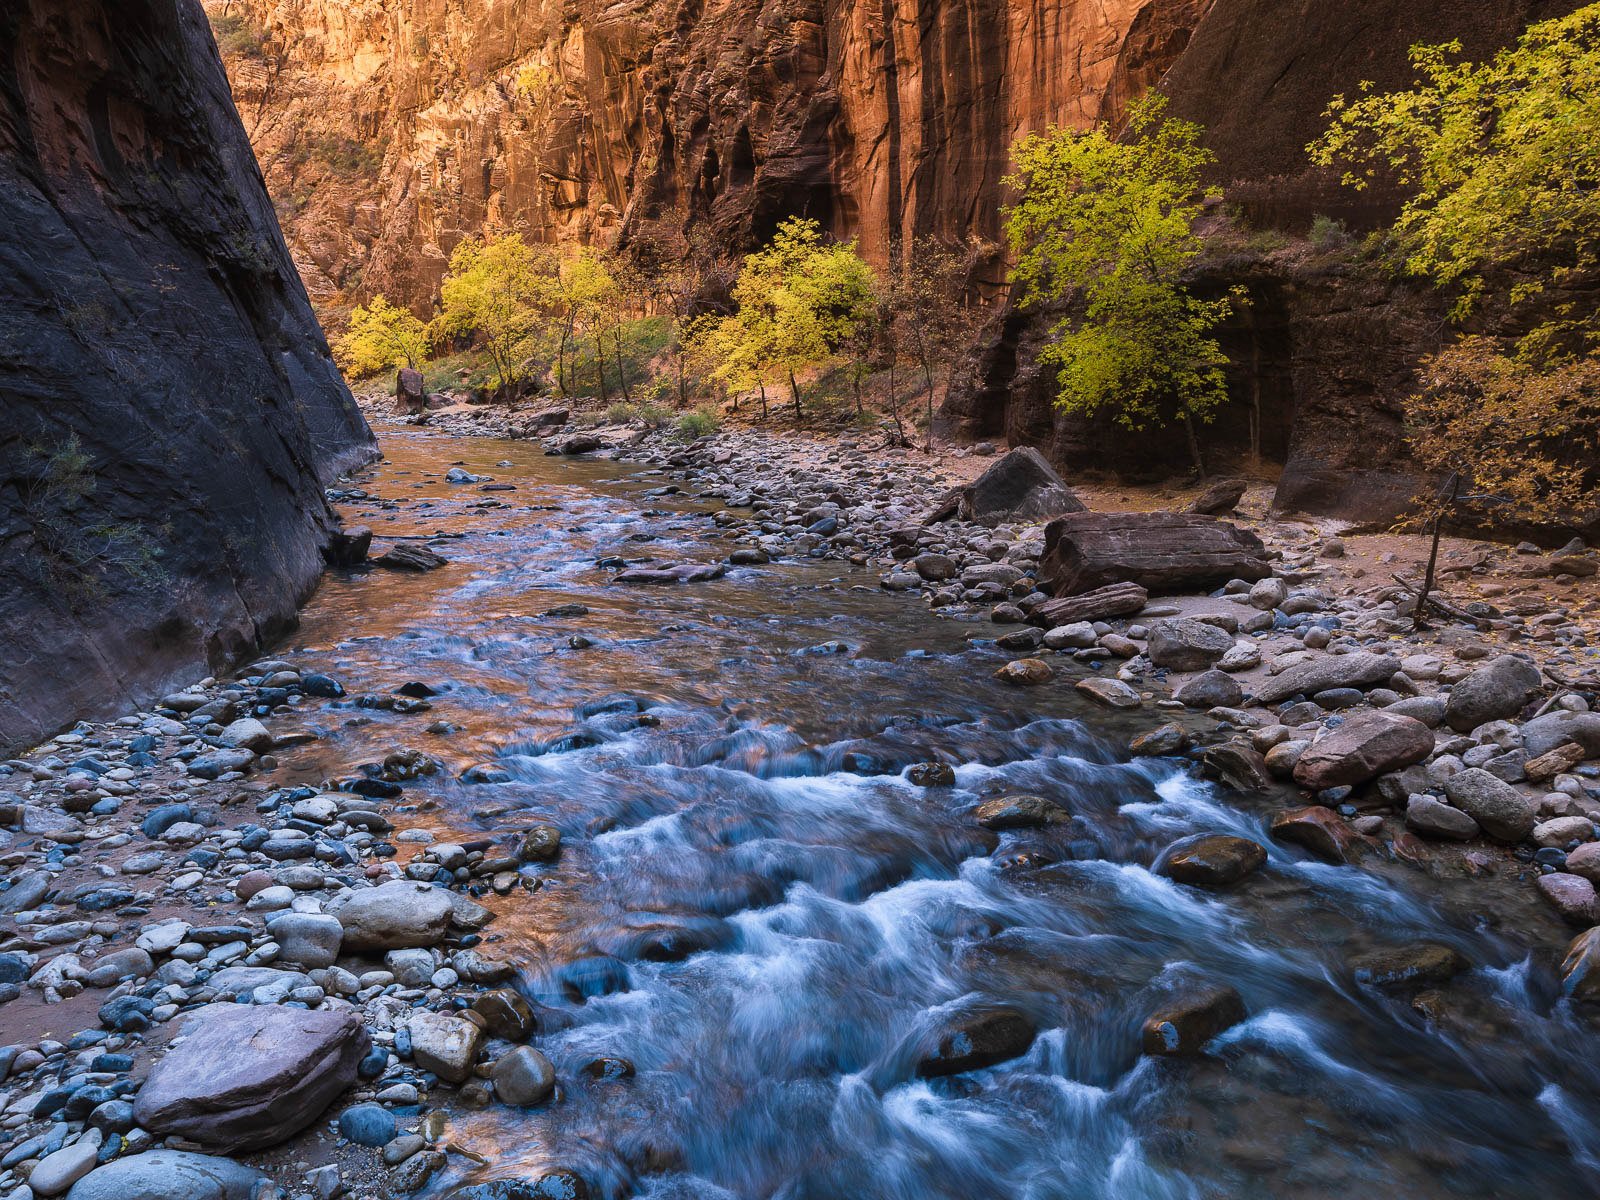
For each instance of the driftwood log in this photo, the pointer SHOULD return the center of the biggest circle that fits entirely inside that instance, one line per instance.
(1116, 600)
(1160, 551)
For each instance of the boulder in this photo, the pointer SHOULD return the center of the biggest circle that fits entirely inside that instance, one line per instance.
(1184, 644)
(446, 1045)
(307, 940)
(1580, 968)
(1212, 859)
(1504, 812)
(171, 1175)
(1112, 693)
(1160, 551)
(1025, 672)
(1019, 812)
(1572, 896)
(250, 1076)
(1320, 830)
(1358, 670)
(523, 1076)
(1222, 496)
(1022, 486)
(1210, 690)
(1492, 692)
(410, 391)
(978, 1040)
(394, 916)
(408, 556)
(1421, 964)
(1435, 819)
(348, 547)
(1367, 745)
(1553, 730)
(1191, 1020)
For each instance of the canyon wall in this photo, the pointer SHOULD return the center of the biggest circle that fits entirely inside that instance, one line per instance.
(391, 129)
(171, 412)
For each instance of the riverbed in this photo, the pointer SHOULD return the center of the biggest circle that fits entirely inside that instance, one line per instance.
(758, 910)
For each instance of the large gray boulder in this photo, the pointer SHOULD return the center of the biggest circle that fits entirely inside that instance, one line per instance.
(173, 1175)
(1022, 486)
(250, 1076)
(308, 940)
(1543, 734)
(1367, 745)
(1504, 812)
(1184, 644)
(395, 916)
(1492, 692)
(1357, 670)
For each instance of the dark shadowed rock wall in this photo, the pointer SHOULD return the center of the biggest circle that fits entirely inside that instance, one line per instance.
(169, 412)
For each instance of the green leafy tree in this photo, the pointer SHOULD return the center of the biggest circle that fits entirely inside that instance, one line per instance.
(799, 300)
(381, 336)
(1501, 165)
(584, 296)
(1109, 221)
(503, 291)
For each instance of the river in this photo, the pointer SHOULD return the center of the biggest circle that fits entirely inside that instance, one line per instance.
(757, 909)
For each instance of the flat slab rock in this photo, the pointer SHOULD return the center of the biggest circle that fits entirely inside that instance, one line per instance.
(250, 1076)
(1160, 551)
(677, 573)
(1113, 600)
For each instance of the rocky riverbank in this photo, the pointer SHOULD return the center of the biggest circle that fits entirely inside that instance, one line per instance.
(220, 987)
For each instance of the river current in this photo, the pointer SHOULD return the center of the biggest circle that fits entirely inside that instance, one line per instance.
(757, 909)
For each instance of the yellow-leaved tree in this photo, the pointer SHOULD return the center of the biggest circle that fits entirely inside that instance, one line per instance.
(503, 291)
(799, 301)
(381, 336)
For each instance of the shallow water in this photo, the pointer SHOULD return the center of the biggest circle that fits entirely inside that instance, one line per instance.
(756, 908)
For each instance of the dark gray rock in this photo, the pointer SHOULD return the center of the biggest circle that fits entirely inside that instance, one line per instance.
(1022, 486)
(170, 1175)
(1359, 670)
(1491, 693)
(1504, 812)
(1184, 644)
(199, 417)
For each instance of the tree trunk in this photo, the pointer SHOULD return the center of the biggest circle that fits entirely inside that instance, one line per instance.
(927, 378)
(794, 391)
(1194, 445)
(561, 359)
(600, 361)
(763, 385)
(1418, 618)
(622, 369)
(894, 404)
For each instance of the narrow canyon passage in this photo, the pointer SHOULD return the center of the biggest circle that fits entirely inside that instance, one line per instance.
(788, 940)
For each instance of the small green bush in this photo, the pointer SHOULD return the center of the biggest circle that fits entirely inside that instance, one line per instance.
(619, 413)
(698, 424)
(1328, 235)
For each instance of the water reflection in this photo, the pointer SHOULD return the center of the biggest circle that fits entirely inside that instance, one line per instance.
(757, 909)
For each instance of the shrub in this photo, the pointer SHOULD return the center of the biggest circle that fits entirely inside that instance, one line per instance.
(698, 424)
(1328, 235)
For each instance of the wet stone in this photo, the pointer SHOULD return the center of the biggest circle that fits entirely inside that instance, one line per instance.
(1212, 859)
(1019, 812)
(977, 1041)
(1422, 964)
(1189, 1021)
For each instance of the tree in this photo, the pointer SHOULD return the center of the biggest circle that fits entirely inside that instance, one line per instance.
(501, 290)
(682, 275)
(799, 300)
(1110, 222)
(1501, 163)
(381, 336)
(584, 290)
(931, 322)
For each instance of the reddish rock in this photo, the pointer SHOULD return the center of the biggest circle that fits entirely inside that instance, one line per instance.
(1191, 1020)
(1210, 858)
(251, 882)
(250, 1076)
(1367, 745)
(1320, 830)
(1572, 896)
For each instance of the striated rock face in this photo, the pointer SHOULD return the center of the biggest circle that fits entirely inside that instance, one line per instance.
(389, 130)
(171, 412)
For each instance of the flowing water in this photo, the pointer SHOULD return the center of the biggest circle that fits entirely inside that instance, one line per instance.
(757, 909)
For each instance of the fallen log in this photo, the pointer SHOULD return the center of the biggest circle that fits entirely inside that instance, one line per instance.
(1115, 600)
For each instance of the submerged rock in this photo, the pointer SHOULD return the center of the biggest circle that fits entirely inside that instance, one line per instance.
(979, 1040)
(1019, 812)
(1189, 1021)
(1213, 859)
